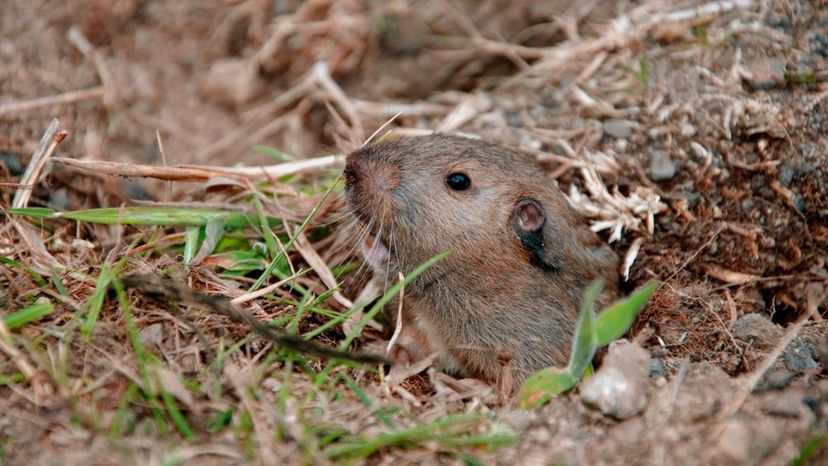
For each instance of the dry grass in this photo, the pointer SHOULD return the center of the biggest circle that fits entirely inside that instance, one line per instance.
(114, 375)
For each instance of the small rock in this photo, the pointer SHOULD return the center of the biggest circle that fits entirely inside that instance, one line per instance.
(765, 73)
(785, 406)
(758, 330)
(12, 162)
(232, 82)
(630, 432)
(152, 335)
(662, 167)
(656, 368)
(542, 436)
(81, 245)
(618, 129)
(785, 174)
(798, 357)
(514, 120)
(59, 199)
(133, 189)
(822, 352)
(519, 420)
(618, 389)
(807, 150)
(735, 441)
(659, 352)
(775, 380)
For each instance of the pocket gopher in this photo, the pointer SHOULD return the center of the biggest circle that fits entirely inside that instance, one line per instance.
(520, 256)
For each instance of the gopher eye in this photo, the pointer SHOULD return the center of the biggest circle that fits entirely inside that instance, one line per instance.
(458, 181)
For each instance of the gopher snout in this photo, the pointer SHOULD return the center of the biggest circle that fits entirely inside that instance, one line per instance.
(370, 183)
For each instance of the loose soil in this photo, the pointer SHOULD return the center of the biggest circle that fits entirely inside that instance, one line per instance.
(693, 135)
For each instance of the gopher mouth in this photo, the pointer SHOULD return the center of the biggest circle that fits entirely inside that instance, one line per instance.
(375, 252)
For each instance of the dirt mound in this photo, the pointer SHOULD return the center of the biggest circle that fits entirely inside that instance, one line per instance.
(693, 135)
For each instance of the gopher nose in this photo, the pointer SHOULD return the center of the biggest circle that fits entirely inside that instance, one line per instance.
(351, 173)
(370, 183)
(364, 171)
(359, 172)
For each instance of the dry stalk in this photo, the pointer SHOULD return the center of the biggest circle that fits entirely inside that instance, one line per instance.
(52, 100)
(44, 261)
(77, 39)
(48, 143)
(323, 77)
(321, 268)
(201, 172)
(257, 118)
(398, 325)
(264, 290)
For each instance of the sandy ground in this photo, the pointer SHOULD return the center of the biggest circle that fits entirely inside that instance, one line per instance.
(693, 135)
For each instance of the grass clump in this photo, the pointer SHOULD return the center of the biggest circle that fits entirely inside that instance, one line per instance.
(591, 332)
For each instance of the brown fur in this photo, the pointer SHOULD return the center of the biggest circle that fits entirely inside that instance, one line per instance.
(488, 301)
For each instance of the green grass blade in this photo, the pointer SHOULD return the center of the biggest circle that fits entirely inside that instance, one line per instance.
(121, 414)
(615, 320)
(365, 399)
(191, 243)
(287, 246)
(169, 216)
(141, 358)
(37, 212)
(274, 153)
(95, 302)
(178, 419)
(389, 295)
(271, 241)
(442, 430)
(221, 419)
(543, 385)
(14, 378)
(810, 449)
(213, 233)
(583, 343)
(28, 314)
(57, 282)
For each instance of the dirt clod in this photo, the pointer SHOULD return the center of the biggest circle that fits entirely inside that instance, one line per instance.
(764, 73)
(662, 167)
(232, 82)
(619, 389)
(691, 134)
(619, 129)
(757, 330)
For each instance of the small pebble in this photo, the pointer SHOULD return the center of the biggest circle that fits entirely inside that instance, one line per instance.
(59, 199)
(656, 368)
(822, 353)
(758, 330)
(618, 129)
(785, 406)
(798, 357)
(232, 82)
(765, 73)
(735, 440)
(12, 161)
(519, 420)
(152, 335)
(775, 380)
(662, 167)
(785, 174)
(618, 389)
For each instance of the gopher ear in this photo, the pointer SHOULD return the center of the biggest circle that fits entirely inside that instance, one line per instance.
(529, 215)
(528, 220)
